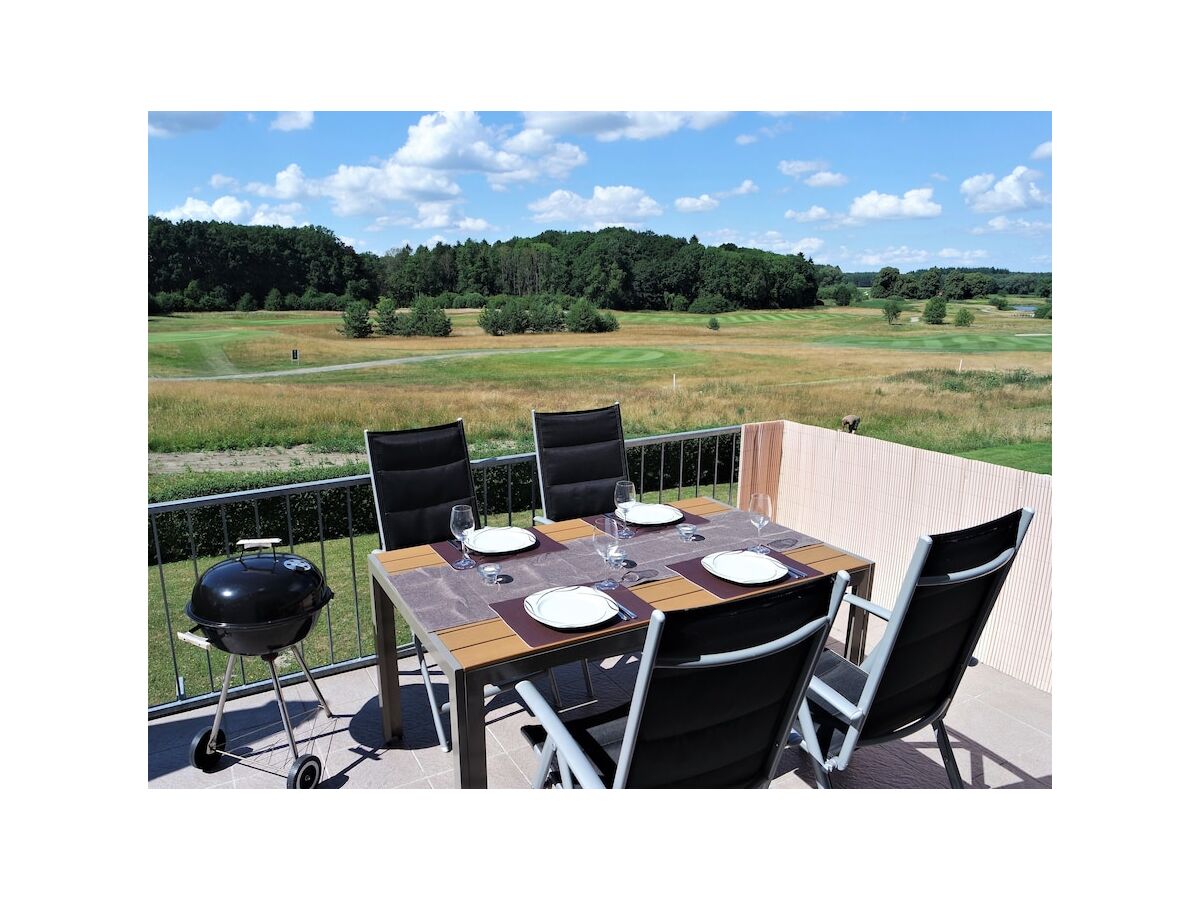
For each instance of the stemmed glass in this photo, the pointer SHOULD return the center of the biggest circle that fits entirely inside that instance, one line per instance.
(626, 498)
(607, 544)
(462, 523)
(760, 515)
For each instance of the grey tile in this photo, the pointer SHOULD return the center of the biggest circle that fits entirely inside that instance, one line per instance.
(171, 769)
(502, 772)
(362, 767)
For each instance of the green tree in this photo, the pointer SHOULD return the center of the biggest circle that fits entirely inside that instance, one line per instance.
(246, 304)
(892, 310)
(714, 324)
(1001, 302)
(274, 301)
(964, 318)
(584, 317)
(386, 320)
(935, 311)
(1043, 311)
(356, 319)
(955, 287)
(886, 283)
(426, 318)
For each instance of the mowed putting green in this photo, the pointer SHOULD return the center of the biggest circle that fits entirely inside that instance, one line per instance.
(952, 342)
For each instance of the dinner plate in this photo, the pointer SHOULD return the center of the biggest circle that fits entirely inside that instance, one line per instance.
(744, 567)
(651, 514)
(500, 539)
(571, 607)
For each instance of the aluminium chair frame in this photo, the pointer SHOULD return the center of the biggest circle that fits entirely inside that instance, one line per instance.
(573, 764)
(491, 690)
(854, 715)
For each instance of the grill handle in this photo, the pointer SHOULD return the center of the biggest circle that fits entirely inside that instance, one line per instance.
(258, 544)
(194, 639)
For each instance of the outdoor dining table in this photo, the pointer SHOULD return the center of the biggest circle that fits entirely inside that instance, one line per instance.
(476, 647)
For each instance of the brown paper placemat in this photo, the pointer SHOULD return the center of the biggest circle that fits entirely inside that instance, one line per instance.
(536, 635)
(545, 544)
(694, 571)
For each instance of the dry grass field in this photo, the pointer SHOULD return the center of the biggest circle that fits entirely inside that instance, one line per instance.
(813, 366)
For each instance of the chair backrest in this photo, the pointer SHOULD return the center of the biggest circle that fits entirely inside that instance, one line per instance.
(719, 687)
(949, 592)
(580, 459)
(418, 476)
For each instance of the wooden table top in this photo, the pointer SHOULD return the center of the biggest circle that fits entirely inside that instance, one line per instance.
(491, 641)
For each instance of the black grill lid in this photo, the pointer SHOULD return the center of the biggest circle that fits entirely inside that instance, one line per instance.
(256, 588)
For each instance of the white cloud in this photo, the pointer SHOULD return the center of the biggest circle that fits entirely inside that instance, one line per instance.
(744, 139)
(938, 176)
(434, 214)
(1041, 151)
(531, 140)
(892, 256)
(1017, 190)
(961, 256)
(471, 224)
(289, 183)
(746, 187)
(1003, 224)
(812, 214)
(435, 240)
(915, 204)
(354, 190)
(223, 209)
(808, 246)
(170, 124)
(614, 205)
(292, 121)
(703, 203)
(613, 126)
(771, 240)
(351, 241)
(284, 214)
(223, 182)
(825, 179)
(454, 140)
(797, 167)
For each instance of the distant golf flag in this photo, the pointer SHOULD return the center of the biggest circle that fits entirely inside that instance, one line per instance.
(295, 355)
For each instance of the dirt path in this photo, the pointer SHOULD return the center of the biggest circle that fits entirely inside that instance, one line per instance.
(262, 460)
(367, 364)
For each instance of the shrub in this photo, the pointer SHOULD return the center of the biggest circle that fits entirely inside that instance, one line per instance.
(1043, 312)
(584, 317)
(504, 316)
(155, 309)
(246, 303)
(891, 310)
(291, 301)
(1001, 302)
(274, 301)
(544, 316)
(711, 303)
(216, 300)
(935, 311)
(168, 302)
(714, 324)
(356, 319)
(840, 294)
(426, 318)
(964, 318)
(676, 302)
(386, 320)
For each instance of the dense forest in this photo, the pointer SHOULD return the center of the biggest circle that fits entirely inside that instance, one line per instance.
(983, 280)
(215, 265)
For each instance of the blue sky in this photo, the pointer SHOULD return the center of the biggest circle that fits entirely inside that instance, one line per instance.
(858, 190)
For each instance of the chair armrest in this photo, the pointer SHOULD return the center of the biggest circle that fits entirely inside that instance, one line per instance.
(568, 750)
(542, 520)
(873, 608)
(830, 697)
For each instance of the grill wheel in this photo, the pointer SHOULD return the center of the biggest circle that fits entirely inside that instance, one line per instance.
(305, 773)
(201, 757)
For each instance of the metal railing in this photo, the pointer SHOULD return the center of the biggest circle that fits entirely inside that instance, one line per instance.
(334, 521)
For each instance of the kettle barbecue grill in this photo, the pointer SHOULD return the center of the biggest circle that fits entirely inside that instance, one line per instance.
(257, 605)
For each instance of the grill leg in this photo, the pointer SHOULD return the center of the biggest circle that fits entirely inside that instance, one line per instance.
(312, 682)
(287, 722)
(212, 735)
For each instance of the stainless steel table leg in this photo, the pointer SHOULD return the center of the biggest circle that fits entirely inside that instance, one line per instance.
(468, 735)
(386, 662)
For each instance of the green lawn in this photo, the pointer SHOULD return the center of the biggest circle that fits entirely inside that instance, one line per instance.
(1032, 457)
(954, 340)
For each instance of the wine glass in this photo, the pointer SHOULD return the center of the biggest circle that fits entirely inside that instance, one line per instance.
(626, 498)
(462, 523)
(760, 515)
(606, 542)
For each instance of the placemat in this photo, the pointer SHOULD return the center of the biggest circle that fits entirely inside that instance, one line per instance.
(598, 522)
(536, 635)
(545, 544)
(693, 570)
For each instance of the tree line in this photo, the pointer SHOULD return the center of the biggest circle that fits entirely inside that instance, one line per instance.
(220, 266)
(957, 283)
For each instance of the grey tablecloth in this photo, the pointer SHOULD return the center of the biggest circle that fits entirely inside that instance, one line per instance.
(442, 597)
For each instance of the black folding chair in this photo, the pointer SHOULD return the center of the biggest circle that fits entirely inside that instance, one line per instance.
(580, 459)
(419, 475)
(716, 694)
(909, 680)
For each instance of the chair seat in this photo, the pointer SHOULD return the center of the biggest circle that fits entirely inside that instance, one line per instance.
(848, 680)
(599, 734)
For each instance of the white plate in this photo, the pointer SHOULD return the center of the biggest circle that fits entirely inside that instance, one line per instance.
(571, 607)
(744, 567)
(505, 539)
(651, 514)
